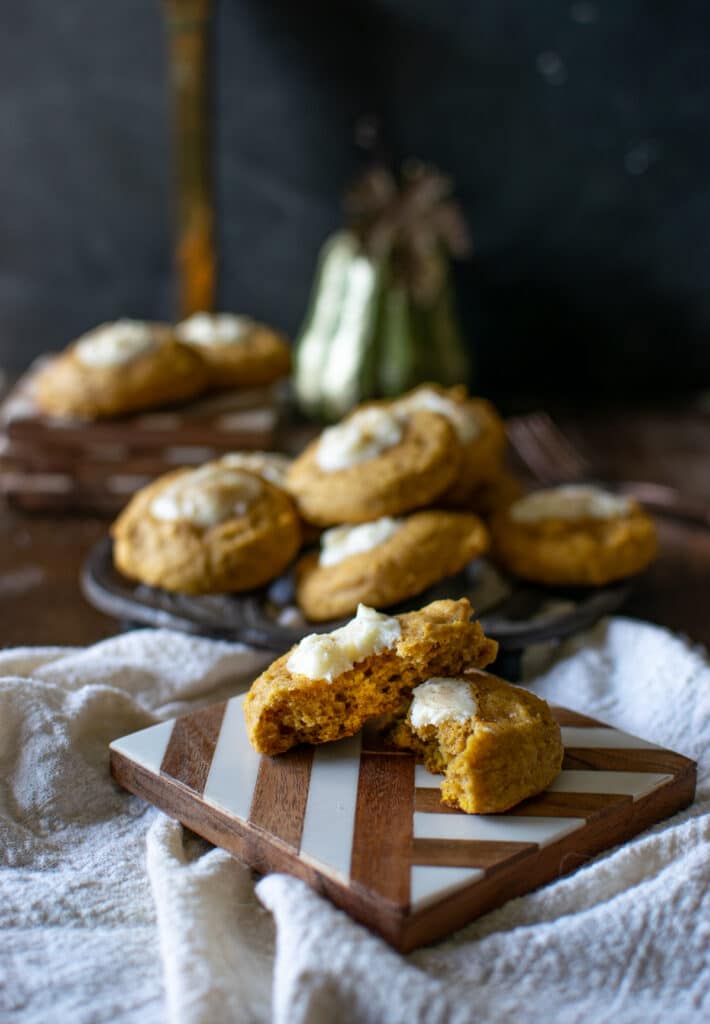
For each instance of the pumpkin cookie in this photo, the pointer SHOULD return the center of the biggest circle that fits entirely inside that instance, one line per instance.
(377, 462)
(330, 684)
(210, 530)
(386, 561)
(118, 368)
(238, 351)
(576, 535)
(480, 432)
(494, 743)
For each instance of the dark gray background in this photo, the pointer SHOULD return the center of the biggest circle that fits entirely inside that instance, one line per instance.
(577, 133)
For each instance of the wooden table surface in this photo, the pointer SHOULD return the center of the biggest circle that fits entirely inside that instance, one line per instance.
(40, 600)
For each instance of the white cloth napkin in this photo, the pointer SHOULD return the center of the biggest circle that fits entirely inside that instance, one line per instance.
(109, 911)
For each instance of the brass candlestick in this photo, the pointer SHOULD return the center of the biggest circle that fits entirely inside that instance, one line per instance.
(188, 23)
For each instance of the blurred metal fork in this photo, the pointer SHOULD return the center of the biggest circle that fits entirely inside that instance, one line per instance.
(552, 459)
(545, 450)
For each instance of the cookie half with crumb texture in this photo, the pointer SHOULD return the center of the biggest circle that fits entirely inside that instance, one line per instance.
(495, 744)
(329, 685)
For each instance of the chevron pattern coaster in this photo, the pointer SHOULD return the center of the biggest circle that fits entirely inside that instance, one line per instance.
(365, 826)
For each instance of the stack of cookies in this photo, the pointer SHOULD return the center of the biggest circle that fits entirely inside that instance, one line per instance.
(84, 428)
(392, 488)
(131, 365)
(399, 486)
(380, 507)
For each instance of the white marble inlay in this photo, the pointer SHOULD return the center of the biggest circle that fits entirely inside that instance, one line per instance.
(428, 884)
(146, 747)
(235, 764)
(603, 739)
(494, 828)
(424, 779)
(327, 837)
(635, 784)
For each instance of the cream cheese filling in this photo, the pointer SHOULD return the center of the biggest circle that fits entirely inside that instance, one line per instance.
(114, 344)
(362, 436)
(572, 501)
(328, 655)
(207, 496)
(441, 700)
(214, 329)
(458, 414)
(272, 466)
(341, 542)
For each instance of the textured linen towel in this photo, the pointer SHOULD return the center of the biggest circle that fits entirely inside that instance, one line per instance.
(109, 911)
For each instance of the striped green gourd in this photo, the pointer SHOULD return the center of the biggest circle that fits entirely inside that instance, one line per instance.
(381, 316)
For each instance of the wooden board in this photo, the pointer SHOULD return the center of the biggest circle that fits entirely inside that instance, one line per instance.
(216, 419)
(56, 463)
(365, 826)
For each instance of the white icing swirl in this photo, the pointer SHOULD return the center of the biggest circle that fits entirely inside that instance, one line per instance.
(572, 501)
(364, 435)
(441, 700)
(341, 542)
(115, 344)
(458, 414)
(328, 655)
(272, 466)
(207, 496)
(214, 329)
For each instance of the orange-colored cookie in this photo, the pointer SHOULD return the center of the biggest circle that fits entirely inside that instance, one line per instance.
(576, 535)
(118, 368)
(375, 463)
(494, 743)
(386, 561)
(238, 351)
(479, 429)
(215, 529)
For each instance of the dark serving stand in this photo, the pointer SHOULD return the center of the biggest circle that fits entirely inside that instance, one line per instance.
(268, 618)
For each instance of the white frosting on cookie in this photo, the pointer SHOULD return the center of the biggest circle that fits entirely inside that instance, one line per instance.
(115, 344)
(441, 700)
(272, 466)
(207, 496)
(458, 414)
(362, 436)
(214, 329)
(343, 541)
(328, 655)
(572, 501)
